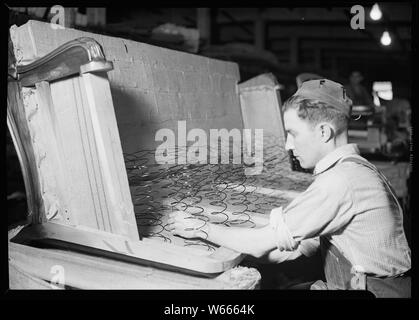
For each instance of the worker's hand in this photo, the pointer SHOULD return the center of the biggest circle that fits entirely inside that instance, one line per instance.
(186, 225)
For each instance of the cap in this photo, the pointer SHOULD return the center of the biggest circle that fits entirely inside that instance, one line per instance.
(327, 91)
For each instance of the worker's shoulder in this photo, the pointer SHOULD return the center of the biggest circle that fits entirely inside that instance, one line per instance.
(352, 172)
(347, 170)
(335, 179)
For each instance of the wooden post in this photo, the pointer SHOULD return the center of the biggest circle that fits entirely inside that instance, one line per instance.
(96, 16)
(335, 66)
(294, 51)
(70, 17)
(318, 58)
(260, 32)
(204, 24)
(108, 145)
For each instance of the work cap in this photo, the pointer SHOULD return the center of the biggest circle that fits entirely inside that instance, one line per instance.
(326, 91)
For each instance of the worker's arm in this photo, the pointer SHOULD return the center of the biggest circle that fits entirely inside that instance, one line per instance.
(276, 256)
(307, 248)
(324, 208)
(256, 242)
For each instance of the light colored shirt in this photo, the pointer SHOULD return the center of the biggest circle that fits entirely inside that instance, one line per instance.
(351, 205)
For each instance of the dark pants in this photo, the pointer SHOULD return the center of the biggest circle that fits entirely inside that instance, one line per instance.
(398, 287)
(340, 275)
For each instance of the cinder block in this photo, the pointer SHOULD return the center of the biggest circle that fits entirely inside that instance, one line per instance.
(198, 112)
(177, 111)
(154, 114)
(136, 50)
(163, 57)
(216, 82)
(204, 66)
(181, 106)
(227, 84)
(141, 52)
(232, 70)
(195, 62)
(156, 63)
(199, 64)
(231, 102)
(143, 79)
(132, 105)
(148, 75)
(203, 102)
(160, 80)
(126, 75)
(190, 81)
(205, 83)
(210, 103)
(221, 108)
(164, 108)
(117, 52)
(161, 54)
(218, 66)
(183, 62)
(175, 80)
(193, 110)
(217, 109)
(235, 103)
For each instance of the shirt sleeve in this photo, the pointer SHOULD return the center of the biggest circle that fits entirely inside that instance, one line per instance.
(308, 247)
(322, 209)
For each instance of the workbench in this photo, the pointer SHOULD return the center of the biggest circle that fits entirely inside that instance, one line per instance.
(36, 268)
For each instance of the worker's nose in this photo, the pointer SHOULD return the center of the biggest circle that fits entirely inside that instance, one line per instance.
(289, 145)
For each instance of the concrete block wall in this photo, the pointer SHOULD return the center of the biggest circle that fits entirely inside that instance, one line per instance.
(152, 87)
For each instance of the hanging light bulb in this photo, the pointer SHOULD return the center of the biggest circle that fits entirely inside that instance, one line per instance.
(375, 12)
(385, 39)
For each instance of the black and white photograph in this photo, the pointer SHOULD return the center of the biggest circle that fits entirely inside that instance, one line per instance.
(234, 150)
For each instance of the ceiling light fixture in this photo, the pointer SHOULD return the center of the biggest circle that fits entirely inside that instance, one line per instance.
(375, 12)
(385, 39)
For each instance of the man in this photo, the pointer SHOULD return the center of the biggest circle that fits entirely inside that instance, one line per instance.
(357, 92)
(349, 211)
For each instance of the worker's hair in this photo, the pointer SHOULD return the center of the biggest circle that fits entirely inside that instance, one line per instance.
(315, 111)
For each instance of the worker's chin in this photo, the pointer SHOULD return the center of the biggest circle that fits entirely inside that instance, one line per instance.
(301, 162)
(304, 164)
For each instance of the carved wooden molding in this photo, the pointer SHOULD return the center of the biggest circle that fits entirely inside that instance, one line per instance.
(81, 55)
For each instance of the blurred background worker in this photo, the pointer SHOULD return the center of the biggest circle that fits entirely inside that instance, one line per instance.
(357, 92)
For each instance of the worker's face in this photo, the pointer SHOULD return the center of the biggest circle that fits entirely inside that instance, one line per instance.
(302, 139)
(356, 78)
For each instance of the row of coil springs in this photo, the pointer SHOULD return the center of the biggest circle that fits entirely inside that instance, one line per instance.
(217, 193)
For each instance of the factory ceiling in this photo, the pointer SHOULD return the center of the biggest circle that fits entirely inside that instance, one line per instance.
(300, 39)
(317, 37)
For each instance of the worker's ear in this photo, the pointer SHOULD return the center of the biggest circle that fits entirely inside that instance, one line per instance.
(325, 131)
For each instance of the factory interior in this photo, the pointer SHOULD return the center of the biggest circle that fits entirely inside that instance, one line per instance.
(84, 169)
